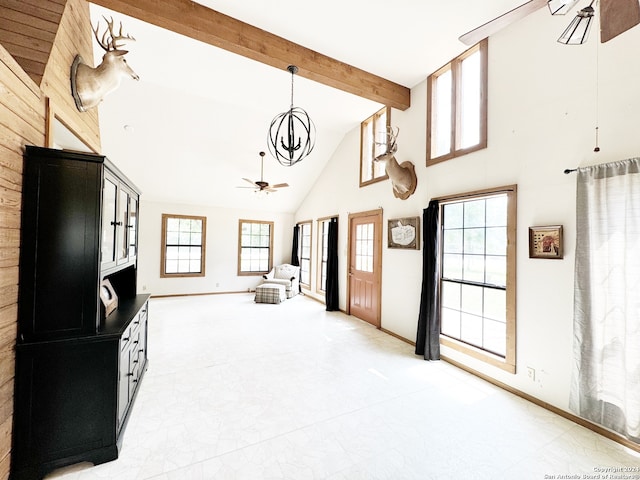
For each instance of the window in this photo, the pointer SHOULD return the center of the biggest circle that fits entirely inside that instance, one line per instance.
(305, 253)
(457, 106)
(372, 130)
(323, 241)
(183, 246)
(255, 247)
(477, 275)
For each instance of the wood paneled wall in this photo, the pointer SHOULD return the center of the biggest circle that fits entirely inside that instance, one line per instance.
(44, 36)
(28, 31)
(74, 37)
(38, 41)
(22, 122)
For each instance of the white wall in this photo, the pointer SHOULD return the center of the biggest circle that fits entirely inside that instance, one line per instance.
(221, 249)
(542, 114)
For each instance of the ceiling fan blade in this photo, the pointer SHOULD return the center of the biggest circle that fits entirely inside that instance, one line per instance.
(617, 16)
(251, 182)
(561, 7)
(498, 23)
(280, 185)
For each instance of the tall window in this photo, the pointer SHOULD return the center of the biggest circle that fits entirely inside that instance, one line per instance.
(323, 242)
(305, 253)
(255, 247)
(477, 276)
(373, 139)
(183, 246)
(457, 106)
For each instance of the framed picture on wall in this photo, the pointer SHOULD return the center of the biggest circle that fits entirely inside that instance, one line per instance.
(545, 242)
(404, 233)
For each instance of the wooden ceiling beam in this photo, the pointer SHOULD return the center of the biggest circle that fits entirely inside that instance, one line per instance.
(206, 25)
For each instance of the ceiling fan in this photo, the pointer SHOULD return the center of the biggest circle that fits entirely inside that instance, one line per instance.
(261, 185)
(616, 17)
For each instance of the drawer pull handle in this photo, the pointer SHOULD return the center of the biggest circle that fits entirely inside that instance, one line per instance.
(125, 339)
(119, 224)
(136, 342)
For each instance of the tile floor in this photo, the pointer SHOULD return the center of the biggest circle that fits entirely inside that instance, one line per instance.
(236, 390)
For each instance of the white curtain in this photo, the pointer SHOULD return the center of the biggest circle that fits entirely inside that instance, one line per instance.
(606, 377)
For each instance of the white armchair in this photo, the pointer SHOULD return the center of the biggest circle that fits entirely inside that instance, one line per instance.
(287, 275)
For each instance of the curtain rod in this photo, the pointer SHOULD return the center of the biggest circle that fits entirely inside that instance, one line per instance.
(570, 170)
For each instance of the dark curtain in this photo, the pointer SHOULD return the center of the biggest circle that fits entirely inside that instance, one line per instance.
(331, 294)
(428, 336)
(295, 261)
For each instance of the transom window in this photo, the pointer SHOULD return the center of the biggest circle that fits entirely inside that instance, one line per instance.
(183, 246)
(305, 253)
(457, 106)
(477, 275)
(255, 247)
(373, 139)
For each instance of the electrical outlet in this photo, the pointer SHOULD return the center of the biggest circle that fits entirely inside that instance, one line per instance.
(531, 373)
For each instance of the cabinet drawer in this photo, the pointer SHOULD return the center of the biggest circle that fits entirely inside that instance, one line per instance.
(125, 340)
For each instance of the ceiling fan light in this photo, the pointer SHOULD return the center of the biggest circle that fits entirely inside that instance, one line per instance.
(560, 7)
(578, 30)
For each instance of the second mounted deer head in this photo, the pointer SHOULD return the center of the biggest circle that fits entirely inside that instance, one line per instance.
(89, 85)
(403, 176)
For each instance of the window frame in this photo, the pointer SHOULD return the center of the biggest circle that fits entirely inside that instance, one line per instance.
(455, 66)
(321, 287)
(163, 249)
(241, 272)
(508, 362)
(371, 147)
(308, 223)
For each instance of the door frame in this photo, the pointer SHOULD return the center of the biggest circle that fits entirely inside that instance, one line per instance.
(377, 268)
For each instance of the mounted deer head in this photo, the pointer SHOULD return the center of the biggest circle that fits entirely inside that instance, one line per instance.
(90, 85)
(403, 176)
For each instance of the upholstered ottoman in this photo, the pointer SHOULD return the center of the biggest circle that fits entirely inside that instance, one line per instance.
(270, 293)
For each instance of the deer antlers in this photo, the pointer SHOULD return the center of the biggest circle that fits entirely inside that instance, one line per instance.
(390, 142)
(111, 42)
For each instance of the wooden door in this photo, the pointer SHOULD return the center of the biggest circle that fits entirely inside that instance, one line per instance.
(365, 254)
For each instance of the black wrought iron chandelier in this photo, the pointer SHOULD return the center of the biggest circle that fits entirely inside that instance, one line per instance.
(292, 133)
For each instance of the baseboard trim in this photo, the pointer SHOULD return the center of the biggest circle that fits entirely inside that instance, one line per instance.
(196, 294)
(399, 337)
(536, 401)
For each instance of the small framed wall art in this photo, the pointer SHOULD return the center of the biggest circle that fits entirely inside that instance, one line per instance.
(546, 242)
(404, 233)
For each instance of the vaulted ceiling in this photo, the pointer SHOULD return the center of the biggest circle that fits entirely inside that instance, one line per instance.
(192, 127)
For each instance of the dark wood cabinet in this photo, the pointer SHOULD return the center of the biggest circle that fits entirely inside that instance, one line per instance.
(77, 370)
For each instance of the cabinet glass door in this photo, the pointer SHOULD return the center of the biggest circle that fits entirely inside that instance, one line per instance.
(133, 227)
(108, 243)
(122, 230)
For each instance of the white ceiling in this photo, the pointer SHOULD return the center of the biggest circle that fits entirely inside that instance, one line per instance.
(199, 115)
